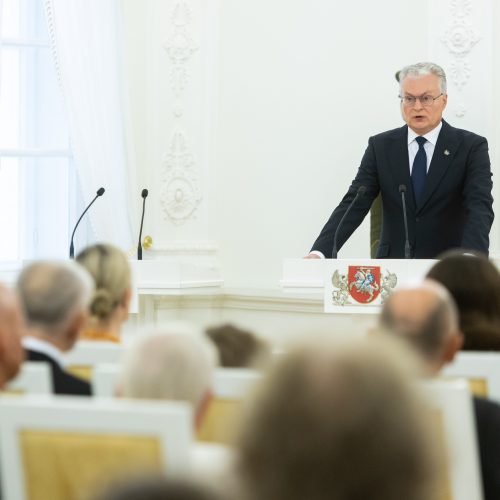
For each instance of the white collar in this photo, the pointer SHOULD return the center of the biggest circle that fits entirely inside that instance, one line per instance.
(44, 347)
(431, 136)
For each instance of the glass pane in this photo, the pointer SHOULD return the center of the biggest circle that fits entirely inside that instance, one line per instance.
(23, 19)
(32, 111)
(9, 208)
(45, 187)
(10, 19)
(9, 98)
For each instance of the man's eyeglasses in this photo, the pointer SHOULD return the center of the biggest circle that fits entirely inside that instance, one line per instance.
(425, 100)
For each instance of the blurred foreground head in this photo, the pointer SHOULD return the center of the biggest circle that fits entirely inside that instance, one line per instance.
(175, 363)
(424, 316)
(239, 348)
(110, 270)
(474, 283)
(157, 488)
(55, 296)
(340, 423)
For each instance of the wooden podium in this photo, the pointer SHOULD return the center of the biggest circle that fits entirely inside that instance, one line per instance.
(351, 285)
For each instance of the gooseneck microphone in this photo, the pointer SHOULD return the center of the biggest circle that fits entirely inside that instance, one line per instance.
(402, 190)
(100, 192)
(361, 191)
(144, 195)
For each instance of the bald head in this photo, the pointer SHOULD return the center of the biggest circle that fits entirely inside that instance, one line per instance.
(426, 316)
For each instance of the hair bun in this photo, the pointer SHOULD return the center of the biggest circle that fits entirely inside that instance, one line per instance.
(102, 304)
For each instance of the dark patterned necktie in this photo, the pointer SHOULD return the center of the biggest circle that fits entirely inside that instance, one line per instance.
(419, 170)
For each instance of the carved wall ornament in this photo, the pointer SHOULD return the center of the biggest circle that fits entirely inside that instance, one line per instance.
(179, 194)
(461, 8)
(460, 37)
(460, 72)
(460, 110)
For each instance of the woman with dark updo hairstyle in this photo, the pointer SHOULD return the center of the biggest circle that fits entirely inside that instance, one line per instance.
(110, 303)
(474, 283)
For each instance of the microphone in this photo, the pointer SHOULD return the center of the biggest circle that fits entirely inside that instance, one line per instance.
(144, 195)
(100, 192)
(361, 191)
(402, 190)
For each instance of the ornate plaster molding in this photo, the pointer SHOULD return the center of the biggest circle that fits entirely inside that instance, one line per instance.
(460, 37)
(179, 193)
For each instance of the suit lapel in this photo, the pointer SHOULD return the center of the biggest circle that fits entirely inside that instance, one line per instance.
(400, 163)
(444, 152)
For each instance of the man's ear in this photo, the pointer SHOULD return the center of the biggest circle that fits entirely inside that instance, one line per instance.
(203, 408)
(453, 345)
(76, 326)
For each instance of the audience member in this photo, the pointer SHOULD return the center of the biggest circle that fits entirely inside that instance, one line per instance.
(11, 329)
(474, 283)
(239, 348)
(110, 303)
(339, 422)
(54, 298)
(175, 364)
(426, 317)
(158, 488)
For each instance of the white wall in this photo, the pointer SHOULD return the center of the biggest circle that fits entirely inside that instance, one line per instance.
(278, 103)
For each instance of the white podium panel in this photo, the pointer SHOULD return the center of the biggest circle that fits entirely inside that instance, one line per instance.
(352, 285)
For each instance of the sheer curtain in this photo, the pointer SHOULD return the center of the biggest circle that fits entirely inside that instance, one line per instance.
(86, 37)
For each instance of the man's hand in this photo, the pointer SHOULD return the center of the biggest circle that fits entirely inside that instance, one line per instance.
(312, 256)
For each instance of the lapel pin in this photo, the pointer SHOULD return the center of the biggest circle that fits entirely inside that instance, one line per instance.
(446, 152)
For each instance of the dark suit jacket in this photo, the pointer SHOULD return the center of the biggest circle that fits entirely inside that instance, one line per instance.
(62, 381)
(456, 209)
(488, 436)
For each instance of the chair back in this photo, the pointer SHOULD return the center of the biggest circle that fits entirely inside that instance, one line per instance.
(66, 448)
(231, 386)
(33, 378)
(481, 369)
(454, 415)
(86, 354)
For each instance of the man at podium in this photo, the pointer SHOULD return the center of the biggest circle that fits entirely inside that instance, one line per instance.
(434, 180)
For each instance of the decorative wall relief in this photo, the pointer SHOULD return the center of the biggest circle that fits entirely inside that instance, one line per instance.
(180, 194)
(460, 38)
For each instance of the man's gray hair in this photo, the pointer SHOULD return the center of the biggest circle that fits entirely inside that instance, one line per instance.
(52, 292)
(175, 363)
(422, 69)
(427, 333)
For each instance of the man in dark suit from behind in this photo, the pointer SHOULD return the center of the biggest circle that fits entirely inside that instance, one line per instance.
(426, 317)
(444, 171)
(55, 298)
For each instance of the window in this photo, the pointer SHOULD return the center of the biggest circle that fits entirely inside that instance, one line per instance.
(37, 177)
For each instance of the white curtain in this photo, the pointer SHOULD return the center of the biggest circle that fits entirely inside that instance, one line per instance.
(86, 37)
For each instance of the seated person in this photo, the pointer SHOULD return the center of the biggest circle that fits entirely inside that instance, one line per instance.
(55, 298)
(110, 303)
(239, 348)
(474, 283)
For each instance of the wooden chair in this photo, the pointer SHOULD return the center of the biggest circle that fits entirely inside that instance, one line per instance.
(65, 448)
(454, 414)
(86, 354)
(231, 385)
(481, 369)
(34, 378)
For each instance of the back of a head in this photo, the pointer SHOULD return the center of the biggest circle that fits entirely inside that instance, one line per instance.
(474, 283)
(52, 292)
(157, 488)
(176, 363)
(110, 269)
(425, 316)
(339, 423)
(238, 348)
